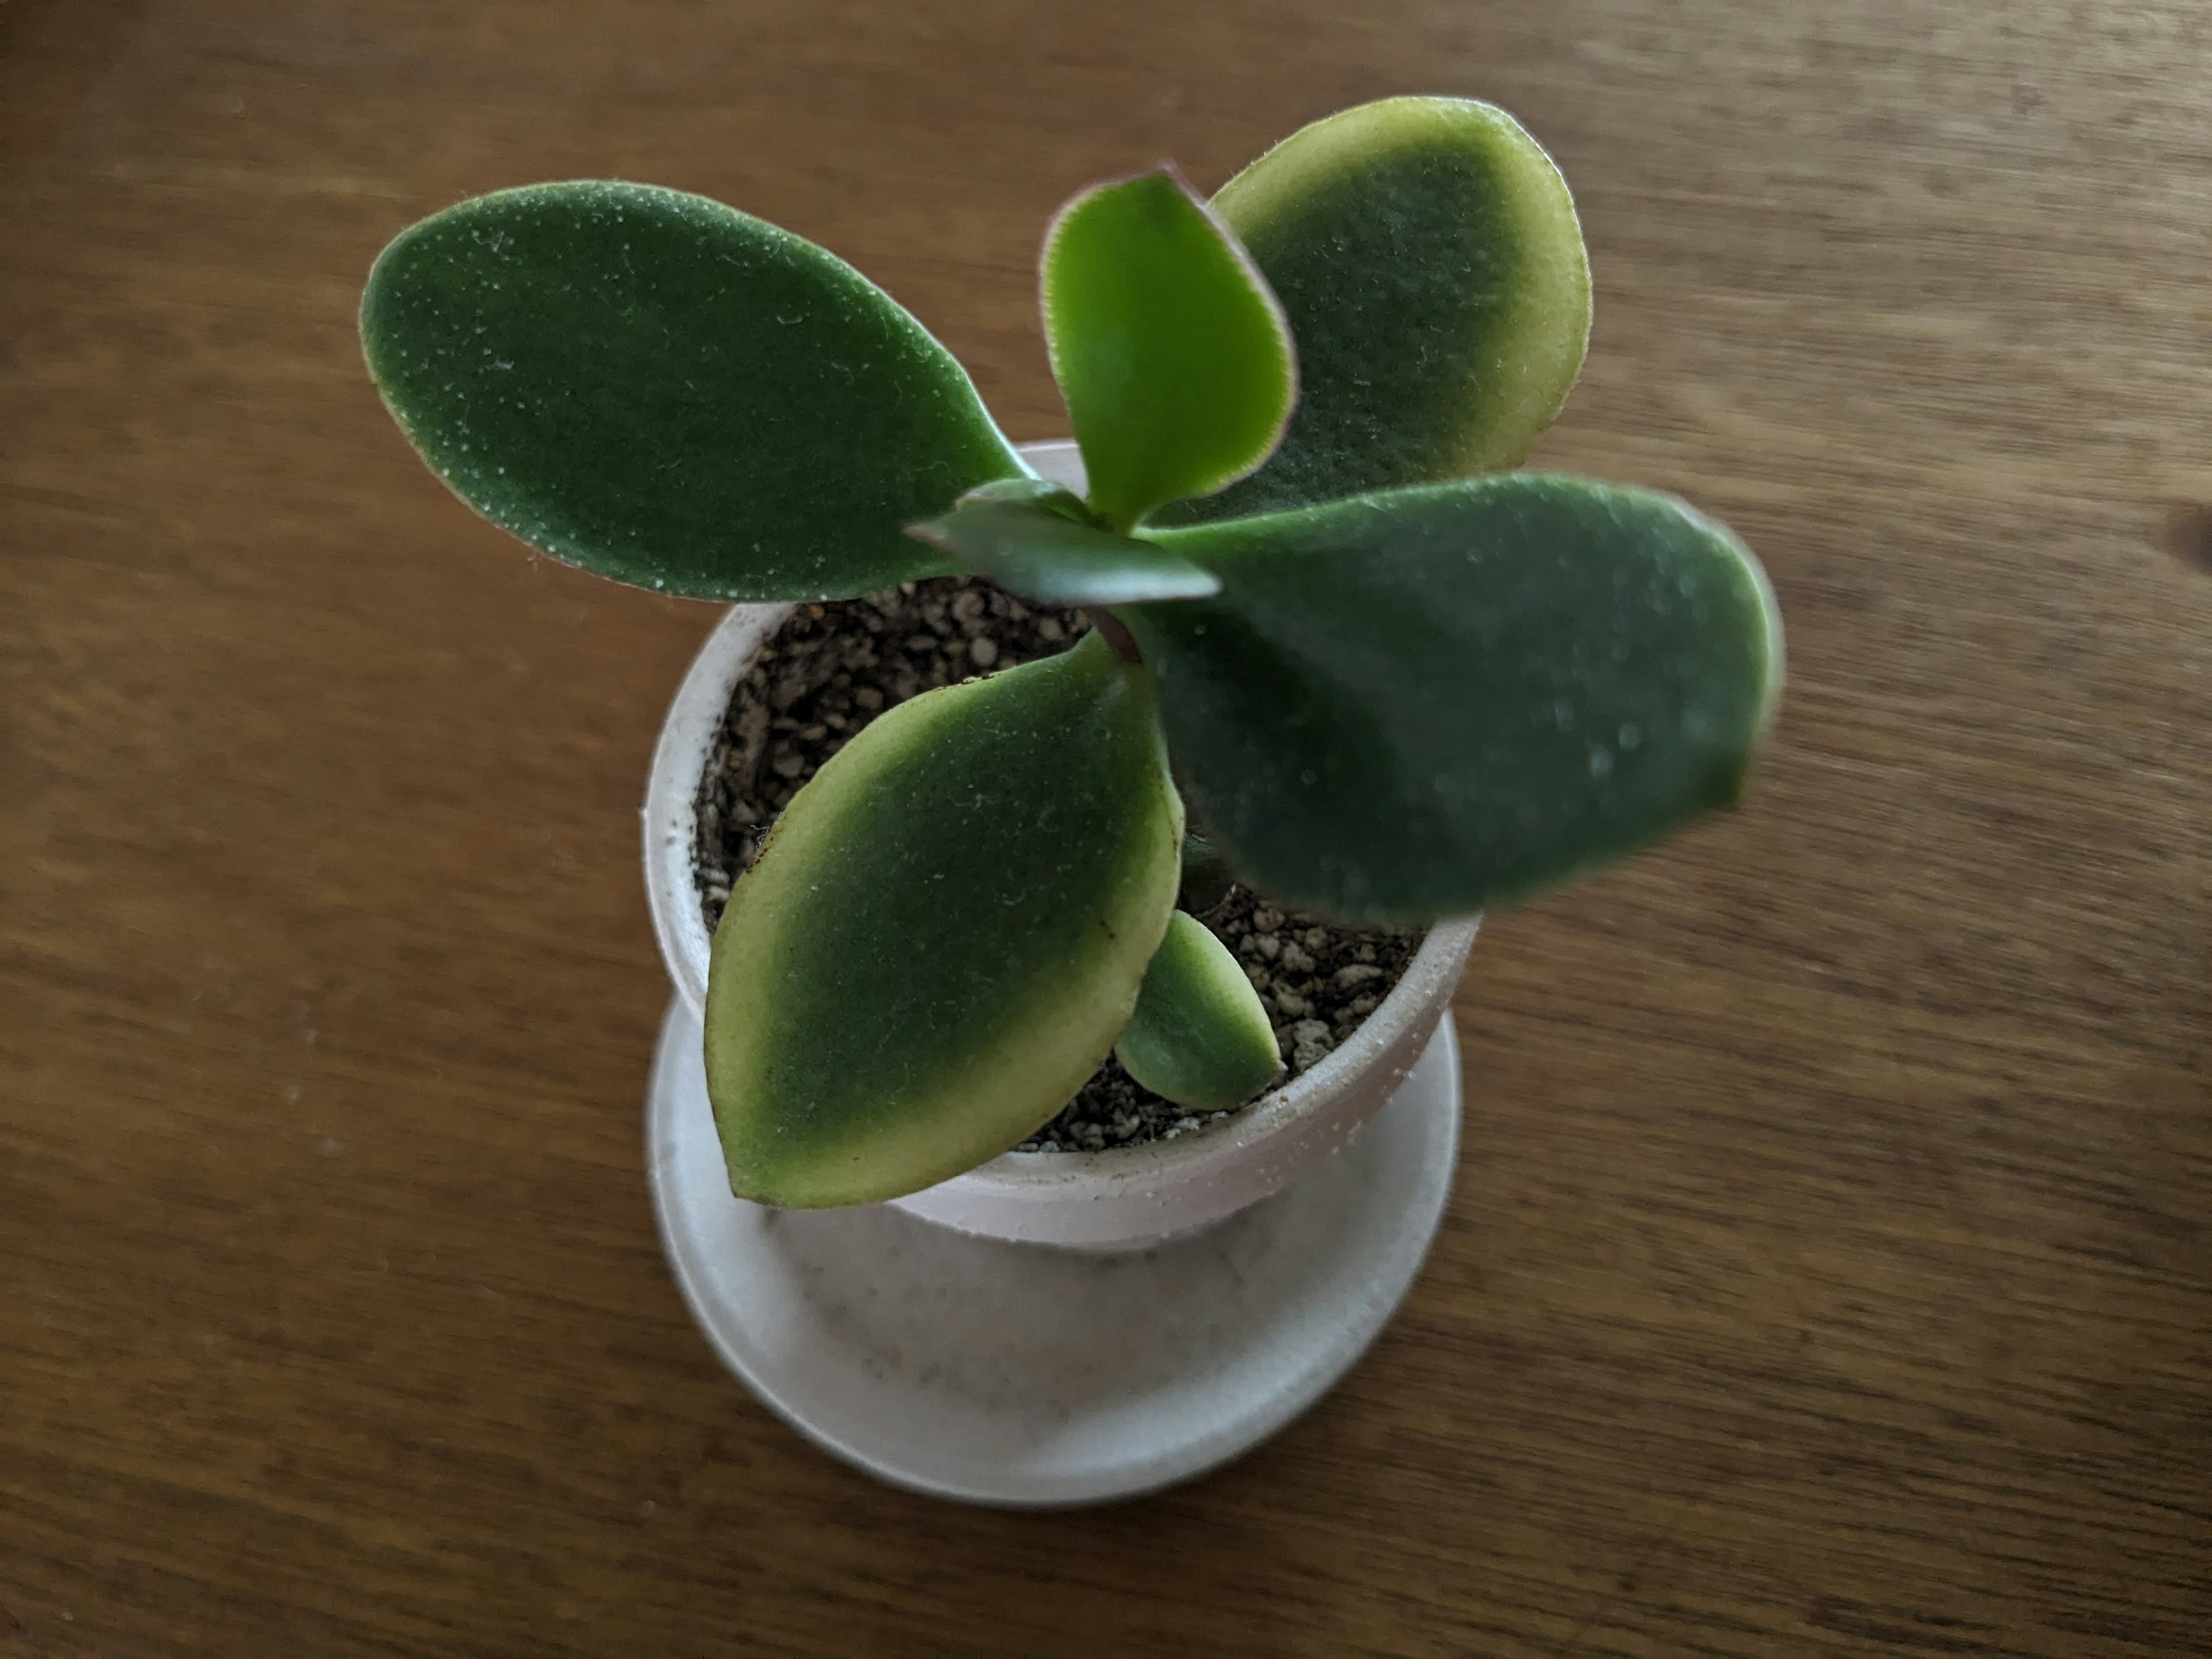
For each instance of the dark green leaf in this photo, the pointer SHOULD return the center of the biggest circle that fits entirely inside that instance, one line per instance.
(1199, 1036)
(668, 391)
(1428, 256)
(944, 934)
(1409, 705)
(1173, 357)
(1026, 535)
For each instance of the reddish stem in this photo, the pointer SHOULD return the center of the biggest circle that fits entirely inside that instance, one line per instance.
(1123, 641)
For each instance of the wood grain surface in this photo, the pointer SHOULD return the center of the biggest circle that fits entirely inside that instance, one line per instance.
(1830, 1271)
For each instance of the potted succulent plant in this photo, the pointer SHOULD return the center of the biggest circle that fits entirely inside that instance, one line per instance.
(1389, 680)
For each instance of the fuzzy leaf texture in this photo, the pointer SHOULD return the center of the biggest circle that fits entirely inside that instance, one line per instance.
(1427, 254)
(674, 394)
(1175, 360)
(1034, 539)
(1200, 1036)
(1411, 705)
(944, 934)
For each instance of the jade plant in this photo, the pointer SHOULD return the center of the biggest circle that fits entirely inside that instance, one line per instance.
(1396, 679)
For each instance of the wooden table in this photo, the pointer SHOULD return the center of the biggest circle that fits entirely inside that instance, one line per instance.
(1831, 1267)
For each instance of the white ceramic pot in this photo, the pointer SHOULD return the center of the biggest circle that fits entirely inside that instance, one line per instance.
(1116, 1199)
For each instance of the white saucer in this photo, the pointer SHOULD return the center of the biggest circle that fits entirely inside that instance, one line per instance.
(1020, 1374)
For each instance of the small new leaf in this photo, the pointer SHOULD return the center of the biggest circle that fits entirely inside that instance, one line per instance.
(1034, 539)
(674, 394)
(1410, 705)
(1200, 1036)
(1173, 357)
(944, 934)
(1428, 256)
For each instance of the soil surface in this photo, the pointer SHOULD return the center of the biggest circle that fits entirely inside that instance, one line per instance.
(832, 668)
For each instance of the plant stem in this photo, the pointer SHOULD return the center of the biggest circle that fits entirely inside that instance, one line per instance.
(1123, 641)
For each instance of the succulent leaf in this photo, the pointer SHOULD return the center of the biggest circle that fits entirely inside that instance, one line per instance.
(1023, 536)
(944, 934)
(1409, 705)
(1199, 1036)
(1427, 253)
(674, 394)
(1043, 492)
(1174, 358)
